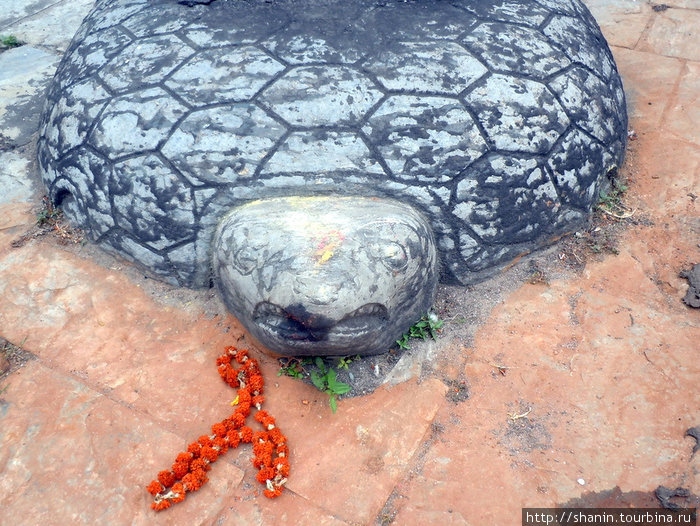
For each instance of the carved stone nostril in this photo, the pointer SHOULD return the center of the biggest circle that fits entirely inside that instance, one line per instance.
(324, 293)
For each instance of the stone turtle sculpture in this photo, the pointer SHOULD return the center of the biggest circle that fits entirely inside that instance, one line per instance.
(325, 162)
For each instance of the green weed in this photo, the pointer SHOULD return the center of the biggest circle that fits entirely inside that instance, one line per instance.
(48, 214)
(428, 325)
(327, 382)
(610, 202)
(9, 41)
(345, 361)
(294, 368)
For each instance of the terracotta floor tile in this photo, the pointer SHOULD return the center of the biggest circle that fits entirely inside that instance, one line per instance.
(349, 462)
(683, 117)
(14, 219)
(648, 89)
(107, 336)
(623, 21)
(612, 345)
(674, 33)
(593, 363)
(114, 337)
(665, 185)
(253, 510)
(69, 455)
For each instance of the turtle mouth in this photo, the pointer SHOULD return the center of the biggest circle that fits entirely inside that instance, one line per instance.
(281, 323)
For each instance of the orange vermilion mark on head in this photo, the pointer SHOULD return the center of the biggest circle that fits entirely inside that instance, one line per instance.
(327, 245)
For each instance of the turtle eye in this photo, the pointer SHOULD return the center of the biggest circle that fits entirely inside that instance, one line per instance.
(392, 255)
(247, 259)
(247, 252)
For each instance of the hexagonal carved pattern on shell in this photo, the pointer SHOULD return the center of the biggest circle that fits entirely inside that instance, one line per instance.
(497, 121)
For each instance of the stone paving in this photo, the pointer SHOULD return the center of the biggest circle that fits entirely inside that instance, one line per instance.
(578, 388)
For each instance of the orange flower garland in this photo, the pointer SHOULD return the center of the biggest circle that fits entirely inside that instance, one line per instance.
(188, 472)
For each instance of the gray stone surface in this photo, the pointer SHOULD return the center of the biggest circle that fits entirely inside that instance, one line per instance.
(321, 96)
(320, 275)
(85, 189)
(519, 115)
(16, 187)
(224, 75)
(432, 67)
(529, 13)
(340, 151)
(13, 11)
(508, 48)
(575, 35)
(50, 27)
(577, 165)
(151, 203)
(497, 120)
(72, 130)
(21, 63)
(24, 74)
(499, 191)
(96, 49)
(147, 62)
(135, 122)
(575, 91)
(447, 142)
(222, 144)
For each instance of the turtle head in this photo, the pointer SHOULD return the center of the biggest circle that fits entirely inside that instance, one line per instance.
(326, 275)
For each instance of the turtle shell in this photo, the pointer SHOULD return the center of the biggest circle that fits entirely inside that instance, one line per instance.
(499, 120)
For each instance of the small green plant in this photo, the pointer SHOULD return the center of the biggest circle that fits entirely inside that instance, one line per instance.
(610, 202)
(294, 368)
(428, 325)
(9, 41)
(613, 197)
(327, 382)
(606, 246)
(345, 361)
(48, 215)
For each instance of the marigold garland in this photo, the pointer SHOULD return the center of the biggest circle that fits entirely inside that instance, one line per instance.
(188, 472)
